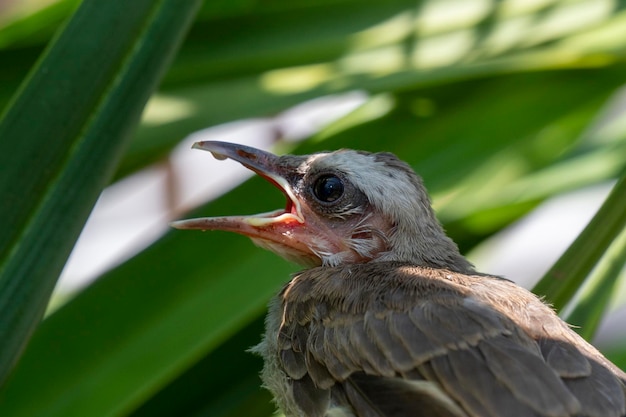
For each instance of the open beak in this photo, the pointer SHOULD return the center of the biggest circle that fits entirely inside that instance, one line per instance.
(279, 230)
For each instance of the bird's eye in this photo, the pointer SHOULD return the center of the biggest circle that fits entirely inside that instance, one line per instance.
(328, 188)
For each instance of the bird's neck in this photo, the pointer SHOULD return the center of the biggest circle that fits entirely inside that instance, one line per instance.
(422, 241)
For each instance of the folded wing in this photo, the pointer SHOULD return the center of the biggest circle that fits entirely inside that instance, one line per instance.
(393, 341)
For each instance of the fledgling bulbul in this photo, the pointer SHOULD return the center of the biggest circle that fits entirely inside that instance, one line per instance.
(390, 320)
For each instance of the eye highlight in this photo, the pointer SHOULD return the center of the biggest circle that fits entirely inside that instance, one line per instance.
(328, 188)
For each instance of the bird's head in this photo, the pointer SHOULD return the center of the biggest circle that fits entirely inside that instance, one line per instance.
(343, 207)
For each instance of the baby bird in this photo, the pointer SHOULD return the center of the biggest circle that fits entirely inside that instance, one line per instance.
(390, 320)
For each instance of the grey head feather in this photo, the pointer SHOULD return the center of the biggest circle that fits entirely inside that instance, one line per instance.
(393, 190)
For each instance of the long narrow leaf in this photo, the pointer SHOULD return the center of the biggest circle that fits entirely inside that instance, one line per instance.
(61, 139)
(598, 290)
(567, 275)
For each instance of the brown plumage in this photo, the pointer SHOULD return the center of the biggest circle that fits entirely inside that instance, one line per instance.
(391, 320)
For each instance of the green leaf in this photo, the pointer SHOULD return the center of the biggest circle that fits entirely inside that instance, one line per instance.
(61, 139)
(617, 353)
(593, 299)
(562, 281)
(229, 373)
(38, 27)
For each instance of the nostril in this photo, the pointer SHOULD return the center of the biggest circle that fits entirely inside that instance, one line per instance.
(247, 155)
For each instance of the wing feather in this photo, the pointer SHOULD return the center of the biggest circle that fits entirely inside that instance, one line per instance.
(565, 359)
(374, 361)
(338, 362)
(311, 399)
(396, 397)
(468, 379)
(413, 339)
(377, 327)
(528, 378)
(600, 394)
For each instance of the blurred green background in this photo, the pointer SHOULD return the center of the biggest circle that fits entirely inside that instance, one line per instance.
(499, 105)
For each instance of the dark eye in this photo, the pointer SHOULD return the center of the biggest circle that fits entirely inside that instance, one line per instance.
(328, 188)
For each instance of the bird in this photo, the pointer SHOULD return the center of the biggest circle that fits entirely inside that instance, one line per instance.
(388, 319)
